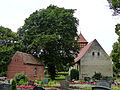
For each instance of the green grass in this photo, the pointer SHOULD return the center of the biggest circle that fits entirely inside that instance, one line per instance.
(115, 87)
(62, 73)
(60, 78)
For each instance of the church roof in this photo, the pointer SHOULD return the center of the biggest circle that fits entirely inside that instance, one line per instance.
(28, 58)
(83, 51)
(81, 38)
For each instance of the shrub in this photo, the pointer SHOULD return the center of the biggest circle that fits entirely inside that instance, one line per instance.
(74, 74)
(22, 82)
(97, 76)
(2, 74)
(13, 85)
(21, 76)
(106, 77)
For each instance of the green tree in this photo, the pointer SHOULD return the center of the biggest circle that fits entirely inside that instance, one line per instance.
(49, 35)
(8, 46)
(115, 54)
(115, 5)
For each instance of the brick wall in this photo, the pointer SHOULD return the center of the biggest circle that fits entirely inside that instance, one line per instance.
(17, 66)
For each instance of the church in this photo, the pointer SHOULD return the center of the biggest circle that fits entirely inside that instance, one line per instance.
(92, 58)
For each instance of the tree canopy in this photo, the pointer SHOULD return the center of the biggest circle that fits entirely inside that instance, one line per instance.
(115, 54)
(49, 34)
(8, 46)
(115, 5)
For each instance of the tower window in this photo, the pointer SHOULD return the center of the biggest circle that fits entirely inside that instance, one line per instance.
(93, 53)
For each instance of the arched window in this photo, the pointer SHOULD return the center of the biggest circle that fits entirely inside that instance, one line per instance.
(93, 53)
(98, 53)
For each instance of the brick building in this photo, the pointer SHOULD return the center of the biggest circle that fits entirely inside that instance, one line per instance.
(27, 64)
(92, 58)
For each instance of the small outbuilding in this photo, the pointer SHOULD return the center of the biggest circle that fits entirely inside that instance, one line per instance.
(27, 64)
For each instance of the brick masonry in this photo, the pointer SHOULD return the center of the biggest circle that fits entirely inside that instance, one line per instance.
(17, 65)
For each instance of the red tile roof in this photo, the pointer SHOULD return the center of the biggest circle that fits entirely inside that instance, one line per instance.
(81, 38)
(83, 51)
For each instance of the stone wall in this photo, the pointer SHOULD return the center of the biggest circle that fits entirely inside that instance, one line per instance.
(96, 60)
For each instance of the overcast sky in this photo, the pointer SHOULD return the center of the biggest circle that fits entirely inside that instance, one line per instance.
(95, 18)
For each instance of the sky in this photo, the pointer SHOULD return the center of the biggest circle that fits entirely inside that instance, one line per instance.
(95, 17)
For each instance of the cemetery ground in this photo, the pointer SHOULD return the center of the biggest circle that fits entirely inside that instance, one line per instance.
(59, 83)
(79, 85)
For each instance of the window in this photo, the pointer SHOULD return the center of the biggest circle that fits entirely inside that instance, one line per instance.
(93, 53)
(15, 60)
(98, 53)
(35, 71)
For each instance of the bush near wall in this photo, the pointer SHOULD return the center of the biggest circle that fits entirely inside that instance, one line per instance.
(74, 74)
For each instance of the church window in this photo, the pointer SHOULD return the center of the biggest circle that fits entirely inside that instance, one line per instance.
(93, 53)
(98, 53)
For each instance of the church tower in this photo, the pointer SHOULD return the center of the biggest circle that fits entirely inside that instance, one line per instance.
(82, 41)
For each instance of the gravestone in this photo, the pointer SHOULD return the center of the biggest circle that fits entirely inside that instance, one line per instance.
(64, 85)
(45, 81)
(0, 87)
(102, 85)
(4, 86)
(38, 88)
(101, 88)
(110, 80)
(8, 81)
(87, 79)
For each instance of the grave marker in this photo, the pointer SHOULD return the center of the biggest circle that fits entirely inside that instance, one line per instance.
(45, 81)
(4, 86)
(102, 85)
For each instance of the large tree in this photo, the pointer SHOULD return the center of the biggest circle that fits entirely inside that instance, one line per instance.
(49, 34)
(9, 43)
(115, 5)
(115, 54)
